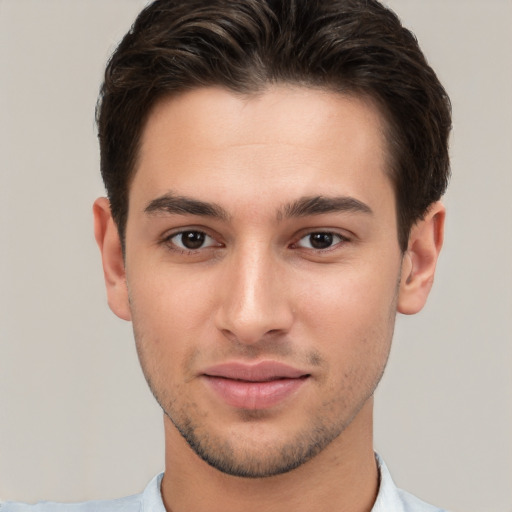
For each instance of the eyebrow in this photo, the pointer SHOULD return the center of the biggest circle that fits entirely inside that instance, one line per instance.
(302, 207)
(181, 205)
(318, 205)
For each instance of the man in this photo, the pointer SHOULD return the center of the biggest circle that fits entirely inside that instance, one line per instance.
(273, 171)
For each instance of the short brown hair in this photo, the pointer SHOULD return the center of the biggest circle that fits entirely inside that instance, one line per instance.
(348, 46)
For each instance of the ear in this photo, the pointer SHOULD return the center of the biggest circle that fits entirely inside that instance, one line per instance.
(107, 238)
(419, 261)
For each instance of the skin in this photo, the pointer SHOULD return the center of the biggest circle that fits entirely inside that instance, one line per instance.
(258, 289)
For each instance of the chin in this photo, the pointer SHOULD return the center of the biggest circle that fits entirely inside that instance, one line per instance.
(253, 456)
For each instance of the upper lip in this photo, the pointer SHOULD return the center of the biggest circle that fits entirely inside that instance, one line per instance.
(258, 372)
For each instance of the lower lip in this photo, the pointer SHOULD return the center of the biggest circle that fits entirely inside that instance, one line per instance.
(254, 395)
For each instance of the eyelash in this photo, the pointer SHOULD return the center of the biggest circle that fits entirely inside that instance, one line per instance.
(342, 240)
(168, 241)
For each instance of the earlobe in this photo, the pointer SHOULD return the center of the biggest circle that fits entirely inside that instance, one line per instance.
(419, 262)
(107, 238)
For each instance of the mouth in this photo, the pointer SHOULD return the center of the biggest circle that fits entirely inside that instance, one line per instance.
(254, 386)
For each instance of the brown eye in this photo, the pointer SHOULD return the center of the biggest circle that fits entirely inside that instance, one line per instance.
(320, 240)
(192, 240)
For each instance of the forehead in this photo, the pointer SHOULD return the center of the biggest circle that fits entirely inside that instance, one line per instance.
(211, 140)
(310, 115)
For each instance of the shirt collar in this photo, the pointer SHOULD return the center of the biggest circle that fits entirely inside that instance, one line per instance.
(388, 497)
(152, 497)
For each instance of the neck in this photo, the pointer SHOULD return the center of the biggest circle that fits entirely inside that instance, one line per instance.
(344, 476)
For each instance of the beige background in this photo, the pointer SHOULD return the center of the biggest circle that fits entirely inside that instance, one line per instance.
(76, 419)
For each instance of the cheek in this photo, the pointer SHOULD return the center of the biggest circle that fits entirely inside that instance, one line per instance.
(170, 313)
(168, 297)
(350, 310)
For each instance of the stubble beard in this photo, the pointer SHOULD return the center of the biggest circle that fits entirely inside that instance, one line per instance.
(251, 460)
(244, 462)
(247, 458)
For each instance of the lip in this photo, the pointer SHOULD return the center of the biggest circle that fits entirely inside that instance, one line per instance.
(254, 386)
(259, 372)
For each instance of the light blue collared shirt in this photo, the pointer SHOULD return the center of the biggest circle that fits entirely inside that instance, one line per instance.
(389, 499)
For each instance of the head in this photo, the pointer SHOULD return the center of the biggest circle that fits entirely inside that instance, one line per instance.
(355, 47)
(273, 171)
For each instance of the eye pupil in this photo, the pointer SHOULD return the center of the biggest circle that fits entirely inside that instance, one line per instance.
(321, 240)
(192, 239)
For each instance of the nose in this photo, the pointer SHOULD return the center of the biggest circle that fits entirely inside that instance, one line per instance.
(254, 304)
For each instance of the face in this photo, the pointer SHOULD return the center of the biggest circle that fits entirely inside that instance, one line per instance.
(262, 269)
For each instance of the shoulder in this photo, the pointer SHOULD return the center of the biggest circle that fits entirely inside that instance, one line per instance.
(128, 504)
(392, 499)
(150, 499)
(413, 504)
